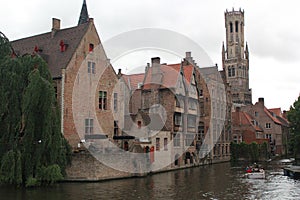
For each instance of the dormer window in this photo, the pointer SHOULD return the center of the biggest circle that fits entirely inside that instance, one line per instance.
(91, 47)
(63, 46)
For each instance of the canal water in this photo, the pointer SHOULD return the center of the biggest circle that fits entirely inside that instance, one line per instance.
(218, 181)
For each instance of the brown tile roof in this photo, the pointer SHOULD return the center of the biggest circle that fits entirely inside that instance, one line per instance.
(51, 46)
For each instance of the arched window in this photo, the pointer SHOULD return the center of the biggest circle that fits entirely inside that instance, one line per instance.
(233, 71)
(231, 27)
(229, 71)
(236, 26)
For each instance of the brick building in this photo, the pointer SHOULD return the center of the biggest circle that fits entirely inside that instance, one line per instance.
(84, 79)
(272, 123)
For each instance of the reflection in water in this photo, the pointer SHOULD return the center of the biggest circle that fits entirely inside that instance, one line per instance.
(219, 181)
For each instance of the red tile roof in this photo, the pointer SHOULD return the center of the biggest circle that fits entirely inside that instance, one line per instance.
(243, 118)
(274, 118)
(277, 111)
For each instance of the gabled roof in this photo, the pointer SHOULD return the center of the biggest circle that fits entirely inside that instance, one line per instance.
(49, 46)
(273, 117)
(244, 119)
(276, 113)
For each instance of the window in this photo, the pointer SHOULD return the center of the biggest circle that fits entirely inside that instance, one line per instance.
(178, 119)
(191, 121)
(102, 100)
(139, 123)
(189, 139)
(116, 128)
(200, 131)
(89, 126)
(269, 136)
(91, 47)
(166, 144)
(256, 114)
(231, 27)
(193, 105)
(233, 71)
(179, 102)
(201, 93)
(91, 67)
(268, 125)
(115, 102)
(236, 26)
(157, 144)
(176, 139)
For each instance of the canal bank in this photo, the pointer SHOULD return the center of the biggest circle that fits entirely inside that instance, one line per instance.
(87, 168)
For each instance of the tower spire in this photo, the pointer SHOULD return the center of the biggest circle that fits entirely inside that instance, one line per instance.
(84, 15)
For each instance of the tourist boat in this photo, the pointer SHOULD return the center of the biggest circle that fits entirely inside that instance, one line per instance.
(255, 172)
(260, 174)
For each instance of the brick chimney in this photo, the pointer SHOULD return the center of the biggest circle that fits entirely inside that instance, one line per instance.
(156, 77)
(261, 101)
(55, 26)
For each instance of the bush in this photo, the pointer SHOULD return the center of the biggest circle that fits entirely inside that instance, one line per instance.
(32, 182)
(50, 174)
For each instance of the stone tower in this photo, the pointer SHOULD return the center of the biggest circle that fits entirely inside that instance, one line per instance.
(235, 58)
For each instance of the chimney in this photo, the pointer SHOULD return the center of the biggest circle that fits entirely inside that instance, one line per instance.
(284, 114)
(55, 26)
(189, 59)
(156, 71)
(261, 101)
(187, 54)
(155, 61)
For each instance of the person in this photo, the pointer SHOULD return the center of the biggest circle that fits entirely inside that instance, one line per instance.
(248, 169)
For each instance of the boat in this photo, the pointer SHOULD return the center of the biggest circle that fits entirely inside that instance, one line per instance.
(260, 174)
(255, 172)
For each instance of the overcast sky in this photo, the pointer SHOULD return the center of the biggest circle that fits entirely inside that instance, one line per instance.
(271, 30)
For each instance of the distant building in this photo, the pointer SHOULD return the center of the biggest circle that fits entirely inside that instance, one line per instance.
(273, 124)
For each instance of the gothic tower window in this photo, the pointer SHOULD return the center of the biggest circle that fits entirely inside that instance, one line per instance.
(231, 71)
(236, 26)
(231, 27)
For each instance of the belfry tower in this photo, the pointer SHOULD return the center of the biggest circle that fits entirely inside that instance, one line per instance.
(235, 58)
